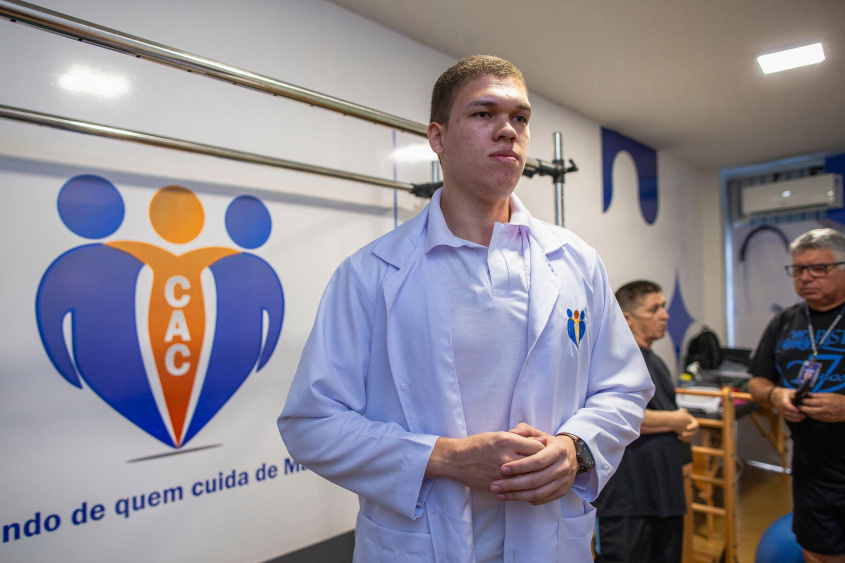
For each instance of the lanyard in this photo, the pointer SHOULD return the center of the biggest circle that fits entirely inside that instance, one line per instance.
(825, 335)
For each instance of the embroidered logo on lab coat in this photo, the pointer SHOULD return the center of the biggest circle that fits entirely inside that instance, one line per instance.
(576, 326)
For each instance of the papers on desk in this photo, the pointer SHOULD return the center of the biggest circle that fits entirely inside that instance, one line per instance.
(699, 402)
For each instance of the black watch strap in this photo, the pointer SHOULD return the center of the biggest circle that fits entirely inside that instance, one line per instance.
(582, 453)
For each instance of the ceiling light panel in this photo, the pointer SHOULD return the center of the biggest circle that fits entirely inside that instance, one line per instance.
(791, 58)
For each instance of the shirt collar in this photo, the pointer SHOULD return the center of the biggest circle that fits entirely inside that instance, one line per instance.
(439, 233)
(519, 215)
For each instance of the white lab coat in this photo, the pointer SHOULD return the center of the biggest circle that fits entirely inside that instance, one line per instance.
(376, 386)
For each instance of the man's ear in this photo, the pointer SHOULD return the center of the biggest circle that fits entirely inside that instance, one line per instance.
(435, 137)
(628, 317)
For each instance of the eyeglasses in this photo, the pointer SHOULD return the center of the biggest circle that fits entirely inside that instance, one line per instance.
(816, 270)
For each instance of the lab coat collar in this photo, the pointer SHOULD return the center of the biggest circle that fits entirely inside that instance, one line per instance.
(426, 228)
(439, 233)
(395, 247)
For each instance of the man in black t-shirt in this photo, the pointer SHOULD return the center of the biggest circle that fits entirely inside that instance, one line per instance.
(640, 511)
(798, 369)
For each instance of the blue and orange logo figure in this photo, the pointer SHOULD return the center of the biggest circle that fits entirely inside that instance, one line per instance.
(165, 339)
(576, 326)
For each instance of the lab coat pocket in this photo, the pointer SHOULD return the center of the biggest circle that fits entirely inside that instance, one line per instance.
(376, 544)
(573, 536)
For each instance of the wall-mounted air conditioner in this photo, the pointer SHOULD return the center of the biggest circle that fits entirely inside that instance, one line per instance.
(811, 193)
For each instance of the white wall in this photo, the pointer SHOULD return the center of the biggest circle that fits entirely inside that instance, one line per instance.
(62, 446)
(712, 246)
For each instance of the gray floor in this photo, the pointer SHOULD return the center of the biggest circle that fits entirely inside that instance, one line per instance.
(334, 550)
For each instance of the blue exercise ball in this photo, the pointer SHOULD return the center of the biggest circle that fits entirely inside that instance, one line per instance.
(778, 543)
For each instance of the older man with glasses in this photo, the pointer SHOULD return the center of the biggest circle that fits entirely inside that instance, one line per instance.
(798, 369)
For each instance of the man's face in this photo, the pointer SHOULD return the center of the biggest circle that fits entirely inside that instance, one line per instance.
(648, 321)
(484, 146)
(820, 293)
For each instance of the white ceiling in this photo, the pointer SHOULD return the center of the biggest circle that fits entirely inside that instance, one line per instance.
(678, 75)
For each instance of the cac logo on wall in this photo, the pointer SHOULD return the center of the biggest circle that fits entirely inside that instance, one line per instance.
(163, 338)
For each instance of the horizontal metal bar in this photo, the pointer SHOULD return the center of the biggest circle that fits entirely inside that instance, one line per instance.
(88, 32)
(768, 466)
(99, 130)
(534, 166)
(85, 31)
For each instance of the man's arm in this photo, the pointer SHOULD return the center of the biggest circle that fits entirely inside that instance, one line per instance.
(778, 398)
(680, 421)
(323, 423)
(763, 369)
(825, 407)
(550, 474)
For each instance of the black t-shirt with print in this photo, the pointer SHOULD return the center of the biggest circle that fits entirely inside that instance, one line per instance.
(818, 447)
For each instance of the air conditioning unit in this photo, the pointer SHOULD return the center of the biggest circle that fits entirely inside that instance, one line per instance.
(811, 193)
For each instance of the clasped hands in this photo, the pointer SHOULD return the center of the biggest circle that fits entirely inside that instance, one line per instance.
(521, 464)
(826, 407)
(687, 426)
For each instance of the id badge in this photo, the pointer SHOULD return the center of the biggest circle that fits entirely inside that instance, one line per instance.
(809, 371)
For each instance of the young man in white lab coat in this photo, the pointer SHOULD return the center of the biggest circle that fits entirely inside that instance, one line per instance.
(470, 375)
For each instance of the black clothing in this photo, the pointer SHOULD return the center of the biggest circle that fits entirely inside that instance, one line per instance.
(640, 510)
(818, 447)
(627, 539)
(649, 480)
(818, 453)
(819, 515)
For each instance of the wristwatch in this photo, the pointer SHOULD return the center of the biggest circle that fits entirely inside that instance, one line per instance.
(582, 453)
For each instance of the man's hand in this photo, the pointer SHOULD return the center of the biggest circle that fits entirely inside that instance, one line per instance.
(826, 407)
(542, 477)
(477, 460)
(687, 426)
(781, 399)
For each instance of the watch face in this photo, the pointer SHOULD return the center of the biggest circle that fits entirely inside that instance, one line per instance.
(586, 456)
(582, 452)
